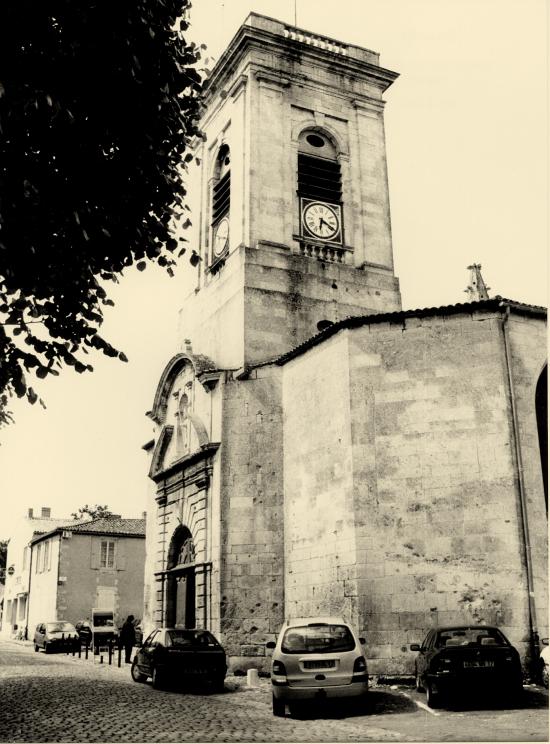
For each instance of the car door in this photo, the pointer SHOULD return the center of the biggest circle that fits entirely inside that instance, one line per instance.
(422, 660)
(39, 635)
(145, 653)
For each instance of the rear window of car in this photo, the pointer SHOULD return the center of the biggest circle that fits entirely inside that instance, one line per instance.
(60, 627)
(194, 638)
(470, 637)
(317, 639)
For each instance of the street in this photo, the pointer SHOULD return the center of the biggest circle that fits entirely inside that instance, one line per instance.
(63, 698)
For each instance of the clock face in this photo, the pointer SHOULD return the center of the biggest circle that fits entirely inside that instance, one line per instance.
(221, 237)
(321, 220)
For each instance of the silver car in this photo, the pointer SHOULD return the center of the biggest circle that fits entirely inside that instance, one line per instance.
(314, 659)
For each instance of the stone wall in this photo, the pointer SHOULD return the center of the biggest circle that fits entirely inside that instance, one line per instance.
(251, 516)
(320, 550)
(420, 411)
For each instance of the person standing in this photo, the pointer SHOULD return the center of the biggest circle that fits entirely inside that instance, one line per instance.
(128, 637)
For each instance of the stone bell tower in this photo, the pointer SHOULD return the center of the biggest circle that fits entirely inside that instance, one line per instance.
(294, 218)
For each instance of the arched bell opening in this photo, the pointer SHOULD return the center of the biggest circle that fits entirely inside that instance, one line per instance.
(180, 581)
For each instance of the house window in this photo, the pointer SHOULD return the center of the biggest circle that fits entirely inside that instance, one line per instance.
(38, 558)
(47, 555)
(107, 554)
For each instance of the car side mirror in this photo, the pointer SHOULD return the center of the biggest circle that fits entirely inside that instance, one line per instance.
(270, 644)
(362, 640)
(415, 647)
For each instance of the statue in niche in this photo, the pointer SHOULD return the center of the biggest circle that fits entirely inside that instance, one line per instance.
(182, 425)
(187, 552)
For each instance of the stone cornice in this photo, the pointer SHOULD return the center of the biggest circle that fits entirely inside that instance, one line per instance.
(181, 465)
(260, 39)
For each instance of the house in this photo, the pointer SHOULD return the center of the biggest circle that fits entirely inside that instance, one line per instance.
(76, 567)
(17, 579)
(319, 450)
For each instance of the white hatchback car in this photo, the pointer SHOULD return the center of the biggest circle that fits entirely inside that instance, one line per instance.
(317, 658)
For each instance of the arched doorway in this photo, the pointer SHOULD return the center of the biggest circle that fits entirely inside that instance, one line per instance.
(180, 587)
(541, 405)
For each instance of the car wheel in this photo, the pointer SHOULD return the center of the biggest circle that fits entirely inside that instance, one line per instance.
(544, 675)
(156, 678)
(137, 676)
(278, 707)
(432, 698)
(36, 647)
(417, 681)
(218, 684)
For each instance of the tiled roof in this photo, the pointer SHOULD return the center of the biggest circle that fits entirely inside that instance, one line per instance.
(115, 526)
(109, 526)
(494, 304)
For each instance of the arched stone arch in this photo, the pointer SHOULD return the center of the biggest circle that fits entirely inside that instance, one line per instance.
(199, 364)
(325, 129)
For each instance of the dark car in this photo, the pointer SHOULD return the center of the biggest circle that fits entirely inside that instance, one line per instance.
(182, 656)
(56, 636)
(458, 660)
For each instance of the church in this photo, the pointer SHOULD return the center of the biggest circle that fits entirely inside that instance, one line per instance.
(317, 449)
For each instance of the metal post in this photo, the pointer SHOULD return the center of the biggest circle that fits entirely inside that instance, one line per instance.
(119, 653)
(110, 650)
(87, 647)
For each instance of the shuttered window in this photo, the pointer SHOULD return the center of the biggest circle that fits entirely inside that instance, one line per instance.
(221, 192)
(107, 554)
(319, 179)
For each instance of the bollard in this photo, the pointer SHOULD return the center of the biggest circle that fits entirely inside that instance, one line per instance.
(110, 650)
(80, 650)
(252, 679)
(86, 654)
(119, 654)
(101, 659)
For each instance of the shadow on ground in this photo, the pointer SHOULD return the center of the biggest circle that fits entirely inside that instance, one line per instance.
(377, 702)
(530, 699)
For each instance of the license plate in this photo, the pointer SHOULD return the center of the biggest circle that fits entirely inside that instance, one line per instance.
(477, 664)
(328, 664)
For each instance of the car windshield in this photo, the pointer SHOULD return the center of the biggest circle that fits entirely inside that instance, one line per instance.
(60, 628)
(470, 637)
(317, 639)
(194, 638)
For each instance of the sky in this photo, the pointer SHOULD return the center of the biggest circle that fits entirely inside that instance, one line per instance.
(466, 134)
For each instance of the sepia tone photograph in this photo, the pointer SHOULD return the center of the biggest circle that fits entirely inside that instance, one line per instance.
(273, 371)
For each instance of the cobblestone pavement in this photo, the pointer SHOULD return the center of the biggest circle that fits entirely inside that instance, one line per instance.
(64, 698)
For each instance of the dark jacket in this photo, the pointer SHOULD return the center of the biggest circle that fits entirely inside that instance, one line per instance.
(128, 634)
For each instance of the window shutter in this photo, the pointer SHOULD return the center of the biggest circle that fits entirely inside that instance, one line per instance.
(120, 555)
(95, 553)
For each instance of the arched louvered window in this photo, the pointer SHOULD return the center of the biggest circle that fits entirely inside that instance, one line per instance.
(221, 191)
(318, 168)
(319, 188)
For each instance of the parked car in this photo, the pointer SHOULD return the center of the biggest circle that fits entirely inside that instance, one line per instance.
(56, 636)
(455, 660)
(315, 659)
(544, 661)
(182, 656)
(84, 630)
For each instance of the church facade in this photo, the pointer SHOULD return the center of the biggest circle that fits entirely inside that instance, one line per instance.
(318, 449)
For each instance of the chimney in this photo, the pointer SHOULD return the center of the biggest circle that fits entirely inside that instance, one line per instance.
(30, 514)
(46, 512)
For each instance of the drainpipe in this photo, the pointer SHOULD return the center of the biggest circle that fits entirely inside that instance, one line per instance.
(534, 643)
